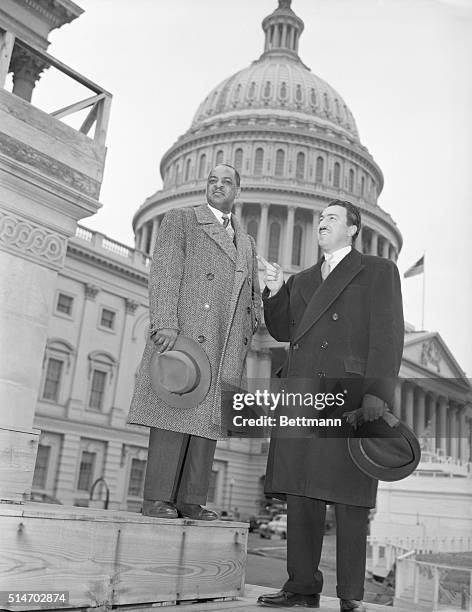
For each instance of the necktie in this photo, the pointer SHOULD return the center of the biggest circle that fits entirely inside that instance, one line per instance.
(228, 227)
(326, 267)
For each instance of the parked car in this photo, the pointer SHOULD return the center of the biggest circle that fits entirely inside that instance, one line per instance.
(256, 521)
(277, 526)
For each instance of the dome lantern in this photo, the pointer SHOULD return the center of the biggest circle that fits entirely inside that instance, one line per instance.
(282, 30)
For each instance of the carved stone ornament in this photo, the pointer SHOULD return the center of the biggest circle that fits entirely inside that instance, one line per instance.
(131, 306)
(430, 355)
(33, 240)
(91, 291)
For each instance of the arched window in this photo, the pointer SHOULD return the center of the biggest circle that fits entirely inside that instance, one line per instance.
(219, 157)
(319, 169)
(300, 169)
(362, 186)
(326, 102)
(187, 170)
(313, 97)
(252, 227)
(258, 161)
(283, 90)
(238, 159)
(252, 90)
(298, 93)
(177, 174)
(202, 166)
(267, 89)
(351, 180)
(297, 245)
(279, 162)
(337, 174)
(274, 241)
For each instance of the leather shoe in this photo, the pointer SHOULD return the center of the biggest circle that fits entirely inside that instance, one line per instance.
(159, 509)
(352, 604)
(197, 513)
(285, 599)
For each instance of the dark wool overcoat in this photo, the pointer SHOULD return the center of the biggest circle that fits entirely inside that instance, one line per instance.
(207, 289)
(346, 335)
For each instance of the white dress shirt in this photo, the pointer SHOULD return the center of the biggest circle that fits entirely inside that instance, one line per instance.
(218, 214)
(336, 256)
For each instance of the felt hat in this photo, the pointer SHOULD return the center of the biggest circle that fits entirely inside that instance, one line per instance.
(385, 449)
(181, 377)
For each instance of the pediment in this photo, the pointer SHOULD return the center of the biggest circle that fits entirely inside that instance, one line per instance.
(429, 352)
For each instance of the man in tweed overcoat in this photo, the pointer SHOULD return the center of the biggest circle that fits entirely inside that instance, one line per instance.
(203, 283)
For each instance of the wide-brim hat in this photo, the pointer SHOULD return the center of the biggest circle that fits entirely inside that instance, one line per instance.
(181, 377)
(385, 449)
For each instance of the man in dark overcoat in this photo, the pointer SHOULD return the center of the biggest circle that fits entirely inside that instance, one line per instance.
(203, 284)
(343, 318)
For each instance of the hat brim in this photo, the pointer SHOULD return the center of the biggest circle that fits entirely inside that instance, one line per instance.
(196, 395)
(359, 455)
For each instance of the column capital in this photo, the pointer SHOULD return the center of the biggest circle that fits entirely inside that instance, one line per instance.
(131, 306)
(27, 69)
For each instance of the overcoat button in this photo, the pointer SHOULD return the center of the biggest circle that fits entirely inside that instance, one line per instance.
(206, 306)
(210, 276)
(201, 339)
(321, 374)
(248, 310)
(335, 316)
(292, 321)
(324, 344)
(295, 347)
(245, 340)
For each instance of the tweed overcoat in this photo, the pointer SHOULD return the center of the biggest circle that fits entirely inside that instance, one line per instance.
(207, 289)
(346, 335)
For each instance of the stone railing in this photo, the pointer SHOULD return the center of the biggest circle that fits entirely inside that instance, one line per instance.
(102, 242)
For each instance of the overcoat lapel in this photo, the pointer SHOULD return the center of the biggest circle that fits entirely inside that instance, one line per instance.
(311, 282)
(215, 230)
(329, 290)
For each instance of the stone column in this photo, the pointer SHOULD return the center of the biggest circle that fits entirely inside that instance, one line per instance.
(67, 468)
(284, 36)
(453, 430)
(312, 254)
(144, 237)
(419, 411)
(397, 401)
(442, 411)
(238, 211)
(385, 248)
(358, 242)
(292, 38)
(287, 258)
(27, 69)
(155, 228)
(431, 421)
(409, 404)
(262, 229)
(374, 243)
(463, 434)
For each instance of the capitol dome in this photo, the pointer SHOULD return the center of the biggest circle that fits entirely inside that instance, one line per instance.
(296, 146)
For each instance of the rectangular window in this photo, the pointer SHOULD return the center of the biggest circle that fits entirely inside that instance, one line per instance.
(97, 390)
(87, 465)
(41, 467)
(136, 478)
(107, 318)
(212, 486)
(53, 379)
(64, 304)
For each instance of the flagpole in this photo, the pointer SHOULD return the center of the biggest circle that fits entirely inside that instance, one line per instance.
(424, 289)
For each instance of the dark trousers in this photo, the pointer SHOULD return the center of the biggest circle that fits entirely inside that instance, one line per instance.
(178, 467)
(305, 530)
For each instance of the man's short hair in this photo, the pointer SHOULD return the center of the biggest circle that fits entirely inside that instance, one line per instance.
(237, 176)
(353, 214)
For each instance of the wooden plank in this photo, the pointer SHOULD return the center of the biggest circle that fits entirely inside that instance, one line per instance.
(77, 106)
(121, 559)
(50, 136)
(17, 459)
(7, 41)
(103, 118)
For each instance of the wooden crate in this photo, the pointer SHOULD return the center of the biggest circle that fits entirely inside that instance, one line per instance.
(106, 558)
(17, 458)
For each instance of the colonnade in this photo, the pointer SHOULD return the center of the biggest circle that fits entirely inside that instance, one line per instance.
(369, 241)
(439, 419)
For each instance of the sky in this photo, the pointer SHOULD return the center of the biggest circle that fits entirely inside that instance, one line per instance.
(402, 66)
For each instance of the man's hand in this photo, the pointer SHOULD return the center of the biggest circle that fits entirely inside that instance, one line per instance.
(165, 339)
(371, 409)
(273, 275)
